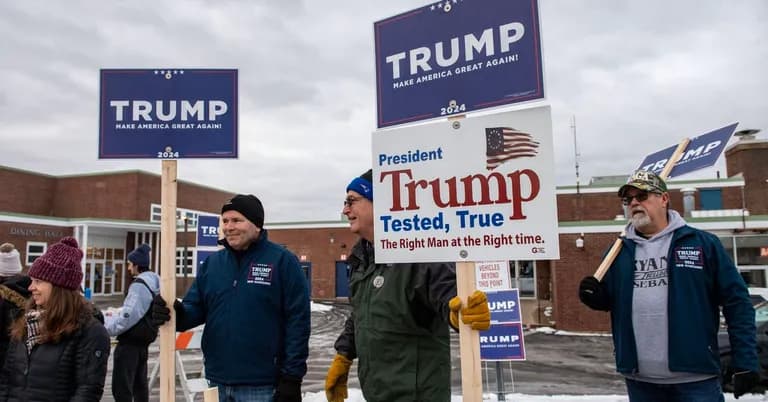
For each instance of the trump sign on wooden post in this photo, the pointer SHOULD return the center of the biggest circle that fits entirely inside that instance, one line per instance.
(472, 190)
(455, 57)
(168, 113)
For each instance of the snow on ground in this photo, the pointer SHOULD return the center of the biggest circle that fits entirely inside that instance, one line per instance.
(355, 395)
(320, 306)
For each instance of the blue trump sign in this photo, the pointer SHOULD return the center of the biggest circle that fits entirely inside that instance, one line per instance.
(207, 231)
(502, 342)
(168, 114)
(457, 56)
(702, 152)
(504, 305)
(202, 255)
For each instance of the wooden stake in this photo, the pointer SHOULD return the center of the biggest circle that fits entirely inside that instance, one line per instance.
(168, 280)
(616, 248)
(469, 339)
(211, 395)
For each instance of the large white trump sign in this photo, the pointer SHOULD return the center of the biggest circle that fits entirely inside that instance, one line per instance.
(474, 189)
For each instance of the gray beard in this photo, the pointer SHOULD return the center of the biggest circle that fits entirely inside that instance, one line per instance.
(640, 222)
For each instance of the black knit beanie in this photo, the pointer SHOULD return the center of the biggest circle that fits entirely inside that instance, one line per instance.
(249, 206)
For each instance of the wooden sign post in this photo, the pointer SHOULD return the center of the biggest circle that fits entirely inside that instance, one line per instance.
(168, 280)
(469, 339)
(616, 248)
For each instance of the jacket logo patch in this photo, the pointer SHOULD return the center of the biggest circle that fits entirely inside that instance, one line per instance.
(260, 274)
(689, 257)
(378, 281)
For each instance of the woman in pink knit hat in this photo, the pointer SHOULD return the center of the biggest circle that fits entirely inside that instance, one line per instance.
(58, 349)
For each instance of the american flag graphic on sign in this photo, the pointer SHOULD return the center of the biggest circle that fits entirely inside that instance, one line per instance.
(504, 143)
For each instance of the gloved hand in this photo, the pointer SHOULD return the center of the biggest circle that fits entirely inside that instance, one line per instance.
(592, 294)
(160, 312)
(178, 307)
(476, 314)
(744, 381)
(336, 380)
(288, 389)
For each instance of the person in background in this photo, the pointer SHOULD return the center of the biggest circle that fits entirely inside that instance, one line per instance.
(58, 349)
(664, 291)
(129, 373)
(14, 293)
(253, 298)
(399, 326)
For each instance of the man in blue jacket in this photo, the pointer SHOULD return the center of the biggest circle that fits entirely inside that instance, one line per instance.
(253, 298)
(664, 291)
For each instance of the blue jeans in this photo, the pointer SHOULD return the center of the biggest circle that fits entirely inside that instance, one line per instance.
(699, 391)
(244, 393)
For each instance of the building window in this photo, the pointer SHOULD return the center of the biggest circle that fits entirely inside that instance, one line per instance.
(711, 198)
(35, 249)
(523, 275)
(156, 213)
(190, 262)
(752, 250)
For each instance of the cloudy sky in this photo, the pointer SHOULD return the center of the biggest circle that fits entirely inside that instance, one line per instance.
(638, 77)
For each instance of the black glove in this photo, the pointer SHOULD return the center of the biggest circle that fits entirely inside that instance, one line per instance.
(288, 389)
(744, 381)
(592, 293)
(160, 312)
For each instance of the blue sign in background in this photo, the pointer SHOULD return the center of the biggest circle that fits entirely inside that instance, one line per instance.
(504, 305)
(515, 80)
(176, 138)
(207, 231)
(702, 152)
(202, 255)
(502, 342)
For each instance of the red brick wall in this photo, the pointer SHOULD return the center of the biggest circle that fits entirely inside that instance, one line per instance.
(573, 265)
(315, 244)
(20, 233)
(26, 192)
(749, 158)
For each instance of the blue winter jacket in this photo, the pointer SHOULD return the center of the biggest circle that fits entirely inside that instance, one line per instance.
(256, 314)
(702, 277)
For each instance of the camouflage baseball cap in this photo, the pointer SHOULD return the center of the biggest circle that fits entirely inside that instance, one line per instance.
(645, 180)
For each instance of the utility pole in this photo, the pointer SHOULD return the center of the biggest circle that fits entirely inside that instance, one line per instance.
(575, 153)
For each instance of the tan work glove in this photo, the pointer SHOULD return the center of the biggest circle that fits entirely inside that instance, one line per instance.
(476, 314)
(336, 380)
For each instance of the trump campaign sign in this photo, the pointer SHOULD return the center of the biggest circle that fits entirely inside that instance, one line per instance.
(168, 114)
(479, 189)
(207, 230)
(702, 152)
(457, 56)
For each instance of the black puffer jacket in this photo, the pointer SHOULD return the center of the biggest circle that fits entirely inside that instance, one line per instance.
(73, 369)
(13, 297)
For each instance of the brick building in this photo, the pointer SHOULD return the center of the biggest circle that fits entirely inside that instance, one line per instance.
(111, 213)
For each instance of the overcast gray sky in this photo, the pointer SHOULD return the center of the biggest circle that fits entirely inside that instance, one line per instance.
(638, 76)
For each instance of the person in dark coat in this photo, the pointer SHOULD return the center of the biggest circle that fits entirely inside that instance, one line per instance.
(398, 329)
(13, 293)
(58, 349)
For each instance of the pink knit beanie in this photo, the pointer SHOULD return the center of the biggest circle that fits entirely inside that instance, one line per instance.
(60, 265)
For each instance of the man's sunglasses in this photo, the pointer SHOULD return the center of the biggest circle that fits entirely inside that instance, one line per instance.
(640, 197)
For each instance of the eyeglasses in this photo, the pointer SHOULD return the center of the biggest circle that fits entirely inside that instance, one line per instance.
(640, 197)
(349, 201)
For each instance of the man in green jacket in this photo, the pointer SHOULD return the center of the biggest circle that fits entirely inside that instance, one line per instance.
(398, 328)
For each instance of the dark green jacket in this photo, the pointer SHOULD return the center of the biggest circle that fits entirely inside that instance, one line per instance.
(399, 328)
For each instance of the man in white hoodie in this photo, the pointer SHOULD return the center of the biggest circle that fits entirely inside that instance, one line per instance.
(664, 292)
(134, 331)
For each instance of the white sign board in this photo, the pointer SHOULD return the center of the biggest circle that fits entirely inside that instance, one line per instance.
(492, 275)
(476, 189)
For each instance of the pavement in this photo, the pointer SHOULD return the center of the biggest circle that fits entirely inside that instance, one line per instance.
(555, 365)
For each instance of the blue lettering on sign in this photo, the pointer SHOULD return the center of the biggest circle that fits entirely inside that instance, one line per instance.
(414, 223)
